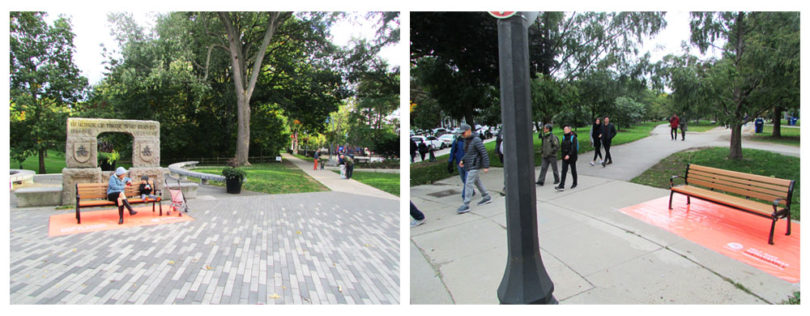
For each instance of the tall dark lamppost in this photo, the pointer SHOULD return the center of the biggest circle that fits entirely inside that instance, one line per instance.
(525, 280)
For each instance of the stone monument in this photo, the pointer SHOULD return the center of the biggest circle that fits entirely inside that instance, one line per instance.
(81, 152)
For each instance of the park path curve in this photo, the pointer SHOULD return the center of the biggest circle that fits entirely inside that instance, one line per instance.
(632, 159)
(333, 181)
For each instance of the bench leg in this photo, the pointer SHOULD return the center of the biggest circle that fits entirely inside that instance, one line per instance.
(788, 224)
(670, 199)
(153, 207)
(773, 225)
(688, 200)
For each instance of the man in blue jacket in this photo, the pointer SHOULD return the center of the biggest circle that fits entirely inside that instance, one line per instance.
(456, 155)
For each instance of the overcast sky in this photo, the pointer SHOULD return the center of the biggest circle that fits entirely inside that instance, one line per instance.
(92, 30)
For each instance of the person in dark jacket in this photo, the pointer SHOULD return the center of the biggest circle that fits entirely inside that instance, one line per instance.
(456, 155)
(498, 145)
(609, 132)
(423, 149)
(596, 140)
(550, 148)
(682, 125)
(315, 157)
(413, 149)
(568, 150)
(474, 161)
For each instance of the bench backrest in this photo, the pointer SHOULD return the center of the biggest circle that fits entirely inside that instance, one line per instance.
(744, 184)
(98, 191)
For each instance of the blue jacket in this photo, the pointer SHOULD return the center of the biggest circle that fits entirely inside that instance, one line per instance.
(117, 185)
(456, 151)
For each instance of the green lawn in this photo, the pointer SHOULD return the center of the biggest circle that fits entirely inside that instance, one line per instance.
(305, 158)
(785, 122)
(429, 172)
(790, 136)
(53, 163)
(273, 178)
(388, 182)
(700, 126)
(754, 161)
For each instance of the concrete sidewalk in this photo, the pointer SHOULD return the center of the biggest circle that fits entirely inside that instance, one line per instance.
(593, 253)
(333, 181)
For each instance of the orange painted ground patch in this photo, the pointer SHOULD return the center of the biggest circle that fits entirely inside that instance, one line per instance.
(107, 219)
(736, 234)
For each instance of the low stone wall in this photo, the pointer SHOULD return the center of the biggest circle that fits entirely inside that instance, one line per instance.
(21, 176)
(38, 196)
(179, 169)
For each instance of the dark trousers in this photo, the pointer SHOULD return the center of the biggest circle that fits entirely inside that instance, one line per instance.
(416, 213)
(597, 150)
(673, 133)
(683, 133)
(422, 154)
(607, 153)
(565, 164)
(349, 170)
(544, 167)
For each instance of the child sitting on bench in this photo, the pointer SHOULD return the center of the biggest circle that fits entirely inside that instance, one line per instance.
(145, 189)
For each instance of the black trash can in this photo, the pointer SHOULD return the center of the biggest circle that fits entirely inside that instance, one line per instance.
(233, 185)
(759, 124)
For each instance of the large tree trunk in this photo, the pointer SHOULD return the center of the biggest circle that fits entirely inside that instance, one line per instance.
(735, 148)
(468, 117)
(777, 122)
(242, 129)
(42, 161)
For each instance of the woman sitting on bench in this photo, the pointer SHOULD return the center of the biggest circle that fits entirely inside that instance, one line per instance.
(115, 192)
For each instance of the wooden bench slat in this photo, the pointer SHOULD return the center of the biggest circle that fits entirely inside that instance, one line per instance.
(747, 182)
(718, 197)
(765, 194)
(736, 174)
(742, 192)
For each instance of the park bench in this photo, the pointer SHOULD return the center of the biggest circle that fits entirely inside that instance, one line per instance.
(95, 195)
(759, 195)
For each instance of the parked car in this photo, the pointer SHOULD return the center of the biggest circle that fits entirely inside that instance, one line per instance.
(439, 131)
(430, 141)
(447, 139)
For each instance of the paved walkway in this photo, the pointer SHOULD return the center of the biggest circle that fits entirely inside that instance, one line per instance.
(306, 248)
(593, 253)
(333, 181)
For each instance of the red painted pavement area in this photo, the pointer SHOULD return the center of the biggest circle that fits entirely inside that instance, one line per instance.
(734, 233)
(92, 221)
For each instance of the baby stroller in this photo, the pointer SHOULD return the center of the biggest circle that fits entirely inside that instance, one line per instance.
(178, 200)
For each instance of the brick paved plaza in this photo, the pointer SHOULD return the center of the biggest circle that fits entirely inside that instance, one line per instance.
(308, 248)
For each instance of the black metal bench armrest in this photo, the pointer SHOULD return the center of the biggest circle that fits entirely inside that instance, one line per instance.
(776, 202)
(671, 179)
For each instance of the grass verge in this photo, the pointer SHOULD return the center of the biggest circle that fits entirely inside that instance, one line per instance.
(272, 178)
(429, 172)
(700, 126)
(754, 161)
(790, 136)
(388, 182)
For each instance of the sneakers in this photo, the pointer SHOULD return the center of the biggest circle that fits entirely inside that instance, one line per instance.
(485, 200)
(539, 183)
(592, 163)
(559, 188)
(463, 209)
(603, 164)
(415, 223)
(573, 185)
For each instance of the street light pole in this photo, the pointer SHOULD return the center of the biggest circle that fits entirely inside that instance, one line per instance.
(525, 280)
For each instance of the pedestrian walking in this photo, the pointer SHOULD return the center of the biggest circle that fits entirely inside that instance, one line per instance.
(674, 121)
(423, 149)
(431, 155)
(596, 140)
(418, 218)
(316, 156)
(499, 145)
(413, 150)
(549, 148)
(474, 161)
(609, 131)
(454, 161)
(568, 149)
(683, 129)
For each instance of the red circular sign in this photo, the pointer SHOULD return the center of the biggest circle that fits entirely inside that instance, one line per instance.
(502, 14)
